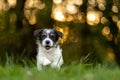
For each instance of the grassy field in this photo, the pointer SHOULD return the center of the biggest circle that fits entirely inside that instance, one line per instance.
(71, 72)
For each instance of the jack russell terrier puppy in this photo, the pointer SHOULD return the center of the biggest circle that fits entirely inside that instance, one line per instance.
(48, 51)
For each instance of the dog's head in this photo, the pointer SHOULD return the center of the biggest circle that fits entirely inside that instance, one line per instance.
(48, 37)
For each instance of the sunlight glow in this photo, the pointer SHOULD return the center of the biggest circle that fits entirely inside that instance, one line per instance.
(65, 31)
(71, 9)
(34, 4)
(109, 37)
(58, 13)
(70, 1)
(12, 3)
(32, 19)
(67, 11)
(59, 16)
(104, 20)
(31, 7)
(118, 25)
(101, 4)
(57, 1)
(115, 18)
(93, 17)
(78, 2)
(115, 9)
(101, 7)
(69, 18)
(81, 17)
(106, 31)
(110, 54)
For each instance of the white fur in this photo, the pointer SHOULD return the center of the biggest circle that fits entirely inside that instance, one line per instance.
(52, 57)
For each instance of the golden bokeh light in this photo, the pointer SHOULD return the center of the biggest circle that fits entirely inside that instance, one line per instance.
(109, 37)
(81, 17)
(38, 4)
(115, 18)
(32, 19)
(101, 1)
(29, 3)
(78, 18)
(65, 31)
(66, 10)
(0, 6)
(30, 16)
(57, 1)
(71, 9)
(106, 31)
(110, 54)
(90, 8)
(101, 6)
(34, 4)
(104, 20)
(58, 13)
(78, 2)
(118, 25)
(115, 9)
(31, 9)
(92, 3)
(12, 3)
(70, 1)
(59, 16)
(4, 6)
(69, 18)
(27, 14)
(93, 17)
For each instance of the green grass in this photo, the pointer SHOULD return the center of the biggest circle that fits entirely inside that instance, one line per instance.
(71, 72)
(75, 71)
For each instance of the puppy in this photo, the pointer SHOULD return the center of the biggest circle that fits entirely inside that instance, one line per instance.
(49, 51)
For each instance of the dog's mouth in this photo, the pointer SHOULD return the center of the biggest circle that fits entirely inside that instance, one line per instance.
(47, 47)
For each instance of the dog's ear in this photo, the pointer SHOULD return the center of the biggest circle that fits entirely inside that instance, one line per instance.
(60, 34)
(37, 32)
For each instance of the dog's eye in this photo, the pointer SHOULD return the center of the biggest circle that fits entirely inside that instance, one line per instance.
(43, 35)
(52, 35)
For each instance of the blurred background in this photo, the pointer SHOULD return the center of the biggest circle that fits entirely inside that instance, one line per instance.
(91, 29)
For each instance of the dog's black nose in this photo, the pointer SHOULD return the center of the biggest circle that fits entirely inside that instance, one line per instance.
(47, 42)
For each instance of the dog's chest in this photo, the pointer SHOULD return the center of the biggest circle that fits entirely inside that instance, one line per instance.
(52, 55)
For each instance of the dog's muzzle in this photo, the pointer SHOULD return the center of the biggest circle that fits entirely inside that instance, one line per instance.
(47, 46)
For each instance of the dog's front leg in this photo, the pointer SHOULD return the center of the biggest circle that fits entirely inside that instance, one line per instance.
(39, 65)
(42, 61)
(46, 61)
(57, 63)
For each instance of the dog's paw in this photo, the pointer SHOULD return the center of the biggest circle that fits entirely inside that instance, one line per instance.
(46, 62)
